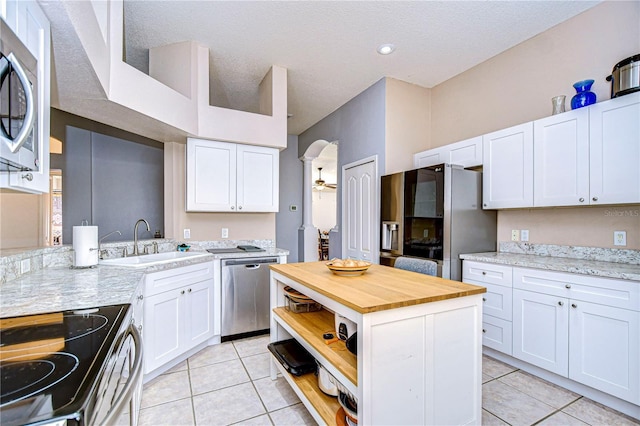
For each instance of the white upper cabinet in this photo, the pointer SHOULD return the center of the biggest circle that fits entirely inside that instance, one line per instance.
(614, 129)
(561, 159)
(227, 177)
(32, 27)
(507, 180)
(466, 153)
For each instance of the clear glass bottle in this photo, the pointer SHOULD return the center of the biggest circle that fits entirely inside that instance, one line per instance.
(558, 104)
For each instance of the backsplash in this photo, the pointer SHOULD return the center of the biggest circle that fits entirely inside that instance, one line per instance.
(573, 252)
(62, 256)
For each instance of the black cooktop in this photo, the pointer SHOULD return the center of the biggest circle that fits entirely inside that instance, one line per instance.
(49, 363)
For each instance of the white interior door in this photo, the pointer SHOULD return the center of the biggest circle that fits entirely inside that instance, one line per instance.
(360, 210)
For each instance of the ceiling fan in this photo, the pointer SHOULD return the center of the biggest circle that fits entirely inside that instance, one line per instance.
(320, 184)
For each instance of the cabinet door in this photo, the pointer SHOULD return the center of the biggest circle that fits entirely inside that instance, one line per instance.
(561, 159)
(603, 349)
(615, 150)
(199, 313)
(541, 330)
(164, 326)
(257, 174)
(211, 176)
(497, 301)
(507, 180)
(32, 27)
(467, 153)
(430, 157)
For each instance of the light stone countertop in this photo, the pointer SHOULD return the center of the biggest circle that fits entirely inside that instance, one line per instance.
(624, 271)
(58, 288)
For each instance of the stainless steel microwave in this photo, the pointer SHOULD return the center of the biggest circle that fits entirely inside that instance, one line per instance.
(18, 104)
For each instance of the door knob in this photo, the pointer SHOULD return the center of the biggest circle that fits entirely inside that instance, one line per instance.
(560, 303)
(573, 305)
(484, 299)
(595, 198)
(484, 331)
(233, 207)
(567, 285)
(189, 290)
(182, 292)
(239, 207)
(581, 200)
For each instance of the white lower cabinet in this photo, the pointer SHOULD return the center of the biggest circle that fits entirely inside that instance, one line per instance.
(583, 328)
(496, 302)
(178, 313)
(540, 330)
(603, 349)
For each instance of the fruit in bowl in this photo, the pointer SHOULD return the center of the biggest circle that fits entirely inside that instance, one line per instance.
(348, 267)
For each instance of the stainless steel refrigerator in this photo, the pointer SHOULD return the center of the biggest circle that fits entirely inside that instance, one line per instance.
(435, 213)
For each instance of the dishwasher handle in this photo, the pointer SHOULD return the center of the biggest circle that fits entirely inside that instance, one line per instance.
(250, 261)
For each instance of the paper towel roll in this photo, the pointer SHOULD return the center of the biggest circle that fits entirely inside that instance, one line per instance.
(85, 246)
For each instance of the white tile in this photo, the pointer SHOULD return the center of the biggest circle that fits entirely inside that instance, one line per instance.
(227, 406)
(596, 414)
(491, 420)
(252, 345)
(263, 420)
(275, 394)
(172, 413)
(486, 378)
(213, 354)
(178, 367)
(294, 415)
(258, 366)
(217, 376)
(511, 405)
(494, 368)
(561, 419)
(541, 390)
(166, 388)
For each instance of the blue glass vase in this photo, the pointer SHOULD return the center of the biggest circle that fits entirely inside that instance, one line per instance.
(584, 95)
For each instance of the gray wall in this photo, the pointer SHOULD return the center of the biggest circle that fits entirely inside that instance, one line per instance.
(359, 128)
(111, 182)
(288, 222)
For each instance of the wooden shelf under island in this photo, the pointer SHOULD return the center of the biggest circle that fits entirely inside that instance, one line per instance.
(419, 343)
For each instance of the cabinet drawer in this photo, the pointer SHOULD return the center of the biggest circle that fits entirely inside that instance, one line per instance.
(604, 291)
(159, 282)
(487, 273)
(497, 301)
(497, 334)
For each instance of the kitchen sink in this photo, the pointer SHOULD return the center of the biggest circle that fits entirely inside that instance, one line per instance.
(151, 259)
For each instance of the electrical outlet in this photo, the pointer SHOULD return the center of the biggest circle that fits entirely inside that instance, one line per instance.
(25, 266)
(524, 235)
(293, 208)
(187, 233)
(425, 233)
(225, 232)
(619, 238)
(515, 235)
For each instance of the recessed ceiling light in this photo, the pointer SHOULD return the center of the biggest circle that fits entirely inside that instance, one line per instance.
(385, 49)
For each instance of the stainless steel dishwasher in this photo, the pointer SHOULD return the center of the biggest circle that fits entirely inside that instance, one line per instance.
(245, 296)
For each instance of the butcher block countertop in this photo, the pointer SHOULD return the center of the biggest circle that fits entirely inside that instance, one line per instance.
(378, 289)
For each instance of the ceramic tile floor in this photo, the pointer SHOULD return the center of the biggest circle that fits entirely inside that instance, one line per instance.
(230, 384)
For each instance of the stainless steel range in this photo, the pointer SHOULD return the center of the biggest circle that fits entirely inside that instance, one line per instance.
(70, 367)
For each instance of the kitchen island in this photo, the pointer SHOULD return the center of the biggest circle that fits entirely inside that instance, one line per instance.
(418, 343)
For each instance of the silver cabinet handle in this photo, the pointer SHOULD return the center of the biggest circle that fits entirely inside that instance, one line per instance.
(239, 207)
(485, 204)
(484, 331)
(141, 297)
(573, 305)
(581, 200)
(28, 176)
(233, 207)
(189, 290)
(484, 299)
(560, 303)
(182, 292)
(595, 198)
(567, 286)
(484, 273)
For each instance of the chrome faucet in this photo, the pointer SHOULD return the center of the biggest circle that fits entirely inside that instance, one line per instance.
(100, 251)
(135, 236)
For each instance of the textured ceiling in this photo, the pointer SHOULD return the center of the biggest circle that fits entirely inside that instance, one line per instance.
(328, 47)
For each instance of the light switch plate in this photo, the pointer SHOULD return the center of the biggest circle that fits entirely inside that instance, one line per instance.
(619, 238)
(187, 233)
(524, 235)
(225, 232)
